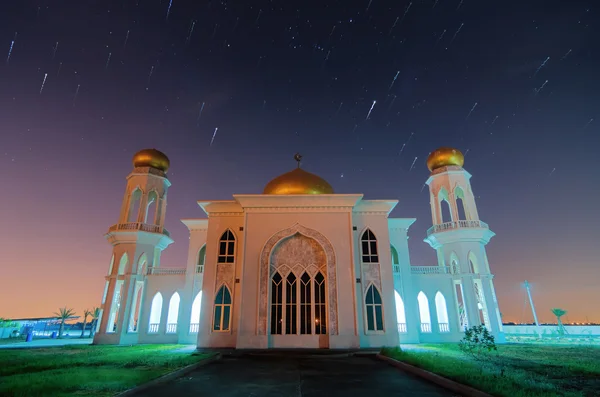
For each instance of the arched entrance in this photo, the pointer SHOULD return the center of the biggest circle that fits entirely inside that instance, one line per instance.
(297, 297)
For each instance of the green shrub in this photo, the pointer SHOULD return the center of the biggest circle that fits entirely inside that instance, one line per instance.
(477, 342)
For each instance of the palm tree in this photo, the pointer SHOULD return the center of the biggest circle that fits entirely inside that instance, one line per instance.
(95, 314)
(86, 313)
(63, 314)
(559, 313)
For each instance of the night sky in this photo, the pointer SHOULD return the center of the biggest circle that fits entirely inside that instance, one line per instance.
(513, 84)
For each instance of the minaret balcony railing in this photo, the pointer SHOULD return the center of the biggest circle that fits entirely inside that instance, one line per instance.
(143, 227)
(463, 224)
(161, 271)
(429, 269)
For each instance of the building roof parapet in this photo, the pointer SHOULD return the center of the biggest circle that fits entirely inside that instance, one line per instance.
(195, 224)
(400, 223)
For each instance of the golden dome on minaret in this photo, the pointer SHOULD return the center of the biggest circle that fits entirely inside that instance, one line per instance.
(151, 158)
(444, 156)
(298, 181)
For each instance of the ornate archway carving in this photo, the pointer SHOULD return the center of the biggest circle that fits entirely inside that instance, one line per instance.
(265, 271)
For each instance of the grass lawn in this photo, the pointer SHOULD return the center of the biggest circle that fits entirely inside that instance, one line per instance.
(87, 370)
(10, 341)
(518, 370)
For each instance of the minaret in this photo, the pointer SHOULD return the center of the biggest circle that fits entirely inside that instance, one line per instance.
(138, 239)
(459, 238)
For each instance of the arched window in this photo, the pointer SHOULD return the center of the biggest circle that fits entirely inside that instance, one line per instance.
(222, 310)
(115, 306)
(134, 205)
(201, 259)
(123, 264)
(473, 264)
(374, 310)
(369, 247)
(320, 309)
(151, 208)
(424, 312)
(276, 304)
(291, 305)
(305, 305)
(173, 314)
(442, 312)
(445, 213)
(195, 316)
(112, 263)
(226, 248)
(155, 312)
(454, 268)
(136, 307)
(459, 197)
(141, 268)
(481, 304)
(460, 304)
(293, 302)
(395, 261)
(400, 313)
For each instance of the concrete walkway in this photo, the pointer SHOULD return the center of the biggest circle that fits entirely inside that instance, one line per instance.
(37, 343)
(272, 375)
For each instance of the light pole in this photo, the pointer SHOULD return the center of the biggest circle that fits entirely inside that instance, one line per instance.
(537, 324)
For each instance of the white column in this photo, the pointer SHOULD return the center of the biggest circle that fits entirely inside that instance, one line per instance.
(125, 309)
(470, 300)
(453, 207)
(492, 305)
(107, 305)
(142, 209)
(471, 207)
(432, 201)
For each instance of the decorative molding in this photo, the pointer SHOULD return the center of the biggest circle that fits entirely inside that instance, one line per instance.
(148, 171)
(299, 209)
(446, 168)
(322, 256)
(235, 214)
(371, 275)
(225, 275)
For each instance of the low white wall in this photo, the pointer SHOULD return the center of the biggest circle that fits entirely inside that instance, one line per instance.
(573, 330)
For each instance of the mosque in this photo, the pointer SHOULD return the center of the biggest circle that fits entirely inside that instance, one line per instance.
(297, 266)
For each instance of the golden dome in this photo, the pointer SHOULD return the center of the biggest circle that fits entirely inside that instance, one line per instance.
(151, 158)
(298, 181)
(444, 156)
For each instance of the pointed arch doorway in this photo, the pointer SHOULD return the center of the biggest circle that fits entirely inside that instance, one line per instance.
(297, 306)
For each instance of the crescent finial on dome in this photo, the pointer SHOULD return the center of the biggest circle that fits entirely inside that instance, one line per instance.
(298, 181)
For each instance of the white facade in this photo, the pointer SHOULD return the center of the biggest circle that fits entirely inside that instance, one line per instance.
(297, 271)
